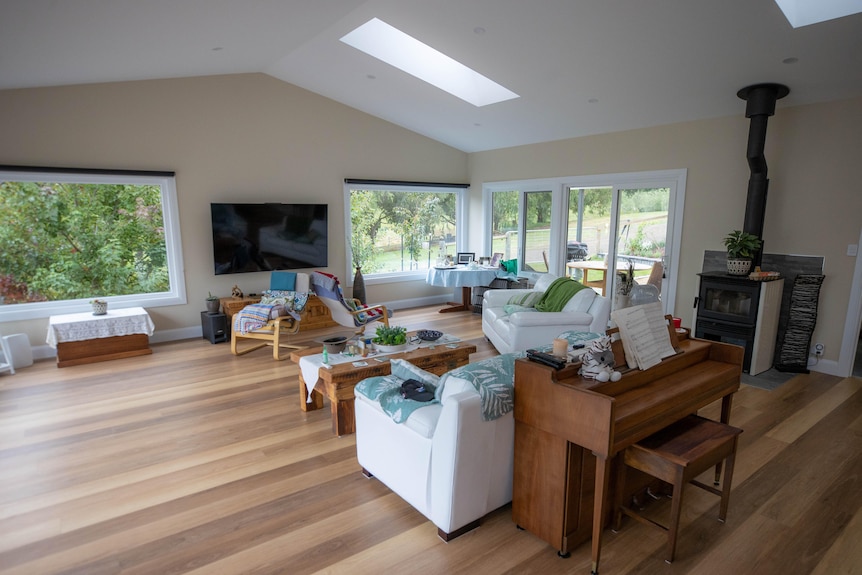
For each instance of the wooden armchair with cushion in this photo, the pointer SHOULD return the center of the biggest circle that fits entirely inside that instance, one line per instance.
(277, 316)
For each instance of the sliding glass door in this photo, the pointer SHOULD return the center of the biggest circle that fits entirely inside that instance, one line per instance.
(596, 229)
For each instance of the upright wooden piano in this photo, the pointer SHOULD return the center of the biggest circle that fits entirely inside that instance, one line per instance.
(568, 430)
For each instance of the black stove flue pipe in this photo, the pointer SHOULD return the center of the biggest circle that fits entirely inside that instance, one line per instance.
(760, 104)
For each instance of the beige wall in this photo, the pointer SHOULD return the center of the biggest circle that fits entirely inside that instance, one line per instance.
(814, 206)
(228, 138)
(255, 138)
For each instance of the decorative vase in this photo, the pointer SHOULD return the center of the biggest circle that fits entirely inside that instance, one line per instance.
(99, 307)
(212, 306)
(737, 267)
(359, 285)
(621, 301)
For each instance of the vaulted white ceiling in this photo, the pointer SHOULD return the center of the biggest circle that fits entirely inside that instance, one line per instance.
(580, 66)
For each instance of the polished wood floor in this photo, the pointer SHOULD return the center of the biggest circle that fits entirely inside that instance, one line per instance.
(191, 460)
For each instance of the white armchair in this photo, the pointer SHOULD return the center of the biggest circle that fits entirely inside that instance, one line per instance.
(510, 330)
(445, 459)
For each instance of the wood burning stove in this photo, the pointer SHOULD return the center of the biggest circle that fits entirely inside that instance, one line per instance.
(740, 311)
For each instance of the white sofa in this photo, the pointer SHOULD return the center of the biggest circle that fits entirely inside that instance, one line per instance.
(521, 330)
(444, 459)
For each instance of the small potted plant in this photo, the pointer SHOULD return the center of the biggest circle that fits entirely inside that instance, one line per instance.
(390, 339)
(741, 247)
(100, 306)
(212, 303)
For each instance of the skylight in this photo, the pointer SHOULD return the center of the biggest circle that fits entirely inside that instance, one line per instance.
(384, 42)
(804, 12)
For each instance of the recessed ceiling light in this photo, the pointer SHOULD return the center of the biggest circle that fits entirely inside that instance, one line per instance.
(804, 12)
(384, 42)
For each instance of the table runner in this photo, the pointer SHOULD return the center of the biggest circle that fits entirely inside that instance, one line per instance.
(310, 364)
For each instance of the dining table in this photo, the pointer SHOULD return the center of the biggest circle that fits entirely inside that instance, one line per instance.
(595, 272)
(464, 277)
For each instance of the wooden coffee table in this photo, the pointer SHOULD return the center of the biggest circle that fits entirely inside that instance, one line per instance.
(338, 381)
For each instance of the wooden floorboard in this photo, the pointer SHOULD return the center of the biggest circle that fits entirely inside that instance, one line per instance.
(191, 460)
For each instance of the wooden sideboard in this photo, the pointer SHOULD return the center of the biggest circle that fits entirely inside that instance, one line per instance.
(568, 431)
(316, 313)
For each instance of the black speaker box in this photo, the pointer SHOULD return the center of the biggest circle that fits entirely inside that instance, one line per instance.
(214, 326)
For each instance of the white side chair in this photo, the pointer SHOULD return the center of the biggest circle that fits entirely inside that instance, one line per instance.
(6, 363)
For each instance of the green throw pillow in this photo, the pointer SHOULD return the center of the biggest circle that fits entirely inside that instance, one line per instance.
(510, 266)
(528, 299)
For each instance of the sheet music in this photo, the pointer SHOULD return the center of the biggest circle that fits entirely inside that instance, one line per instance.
(643, 330)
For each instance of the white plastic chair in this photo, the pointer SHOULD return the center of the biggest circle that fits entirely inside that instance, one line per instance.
(6, 364)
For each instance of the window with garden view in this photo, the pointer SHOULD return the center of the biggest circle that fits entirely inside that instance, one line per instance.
(68, 237)
(401, 229)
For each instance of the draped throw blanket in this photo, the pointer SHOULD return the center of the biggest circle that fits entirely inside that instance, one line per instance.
(255, 316)
(252, 317)
(558, 294)
(494, 379)
(327, 286)
(386, 389)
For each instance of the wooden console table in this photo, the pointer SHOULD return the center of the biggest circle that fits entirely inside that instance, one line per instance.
(569, 430)
(82, 338)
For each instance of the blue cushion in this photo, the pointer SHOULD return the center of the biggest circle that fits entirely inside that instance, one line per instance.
(283, 281)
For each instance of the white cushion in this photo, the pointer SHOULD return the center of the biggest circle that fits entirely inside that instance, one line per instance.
(403, 369)
(543, 282)
(424, 420)
(581, 301)
(452, 385)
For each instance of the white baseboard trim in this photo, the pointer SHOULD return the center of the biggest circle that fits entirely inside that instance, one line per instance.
(827, 366)
(161, 336)
(196, 332)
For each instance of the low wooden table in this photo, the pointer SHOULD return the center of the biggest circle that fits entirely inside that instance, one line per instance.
(82, 338)
(339, 380)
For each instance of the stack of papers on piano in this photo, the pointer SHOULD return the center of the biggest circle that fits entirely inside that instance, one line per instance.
(643, 331)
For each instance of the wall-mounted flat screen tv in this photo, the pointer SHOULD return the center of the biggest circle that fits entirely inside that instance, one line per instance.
(265, 237)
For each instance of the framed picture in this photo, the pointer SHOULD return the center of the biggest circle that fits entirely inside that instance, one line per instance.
(466, 257)
(495, 261)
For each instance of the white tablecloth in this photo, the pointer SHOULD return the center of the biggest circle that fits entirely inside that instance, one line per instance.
(310, 365)
(461, 277)
(83, 326)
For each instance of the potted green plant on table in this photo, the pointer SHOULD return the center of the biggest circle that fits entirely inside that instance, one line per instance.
(741, 247)
(390, 339)
(213, 303)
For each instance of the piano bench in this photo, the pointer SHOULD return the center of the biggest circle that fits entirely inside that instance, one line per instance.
(677, 454)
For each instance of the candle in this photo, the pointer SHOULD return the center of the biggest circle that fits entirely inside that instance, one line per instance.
(561, 347)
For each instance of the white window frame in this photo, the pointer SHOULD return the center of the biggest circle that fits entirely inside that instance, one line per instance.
(674, 179)
(460, 192)
(173, 244)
